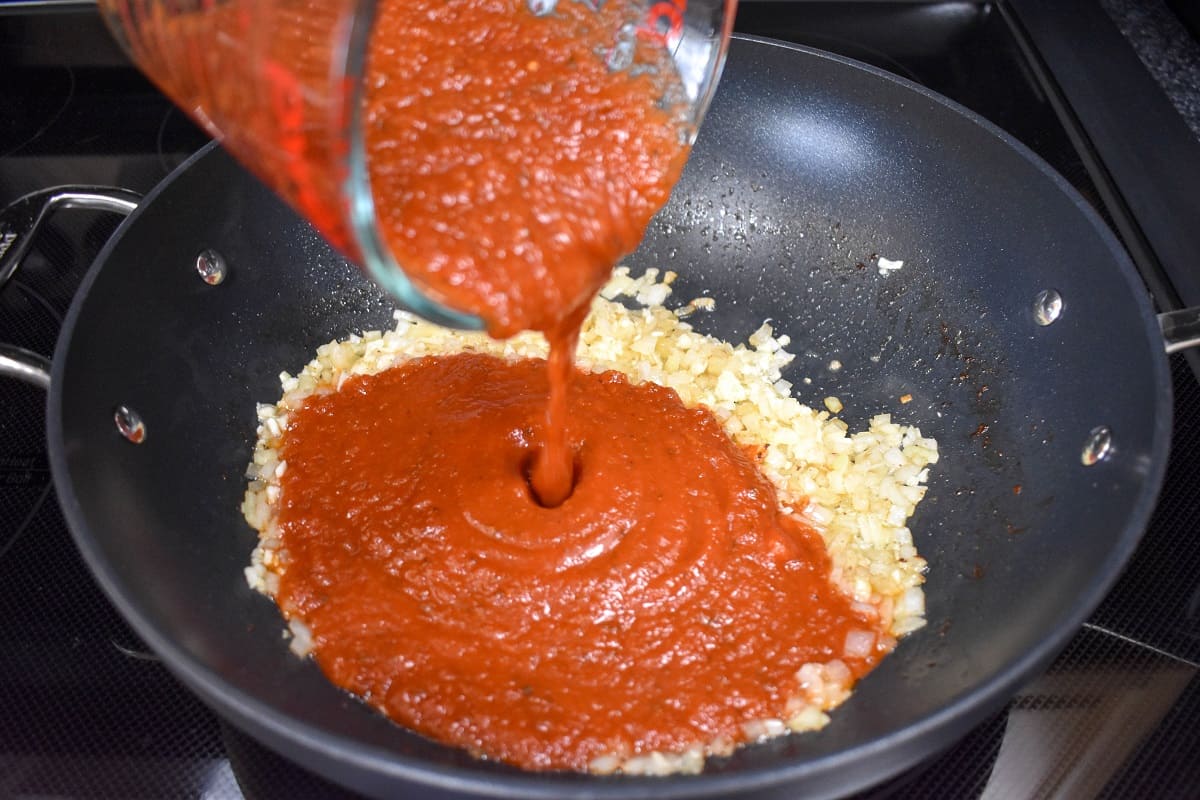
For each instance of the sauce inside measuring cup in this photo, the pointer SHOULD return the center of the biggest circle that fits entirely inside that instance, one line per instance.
(512, 168)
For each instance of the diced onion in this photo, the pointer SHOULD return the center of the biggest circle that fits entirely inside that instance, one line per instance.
(859, 644)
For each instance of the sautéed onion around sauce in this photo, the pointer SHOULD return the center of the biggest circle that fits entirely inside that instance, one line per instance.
(853, 491)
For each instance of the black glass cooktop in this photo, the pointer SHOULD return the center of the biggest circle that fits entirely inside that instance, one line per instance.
(87, 712)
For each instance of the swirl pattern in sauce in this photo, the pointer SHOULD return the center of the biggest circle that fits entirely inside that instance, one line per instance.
(665, 603)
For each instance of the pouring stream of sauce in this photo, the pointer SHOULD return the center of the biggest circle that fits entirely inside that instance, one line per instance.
(515, 173)
(540, 587)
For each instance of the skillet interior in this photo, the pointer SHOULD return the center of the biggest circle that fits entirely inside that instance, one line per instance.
(807, 165)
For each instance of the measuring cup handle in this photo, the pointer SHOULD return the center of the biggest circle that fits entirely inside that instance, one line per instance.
(20, 222)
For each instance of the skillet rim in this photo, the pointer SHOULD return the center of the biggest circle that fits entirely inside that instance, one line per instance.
(339, 754)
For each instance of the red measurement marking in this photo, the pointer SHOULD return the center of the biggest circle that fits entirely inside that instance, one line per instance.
(663, 23)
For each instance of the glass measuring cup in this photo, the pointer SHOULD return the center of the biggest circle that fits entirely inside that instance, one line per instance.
(281, 84)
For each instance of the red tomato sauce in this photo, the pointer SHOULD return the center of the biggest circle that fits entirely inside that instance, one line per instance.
(666, 602)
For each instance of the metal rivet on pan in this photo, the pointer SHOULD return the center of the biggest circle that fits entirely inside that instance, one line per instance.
(130, 424)
(1047, 306)
(1098, 445)
(211, 267)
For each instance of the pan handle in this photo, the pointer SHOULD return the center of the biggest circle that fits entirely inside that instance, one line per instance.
(24, 365)
(1180, 329)
(20, 222)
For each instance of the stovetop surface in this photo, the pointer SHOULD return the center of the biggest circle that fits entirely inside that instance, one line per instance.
(88, 712)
